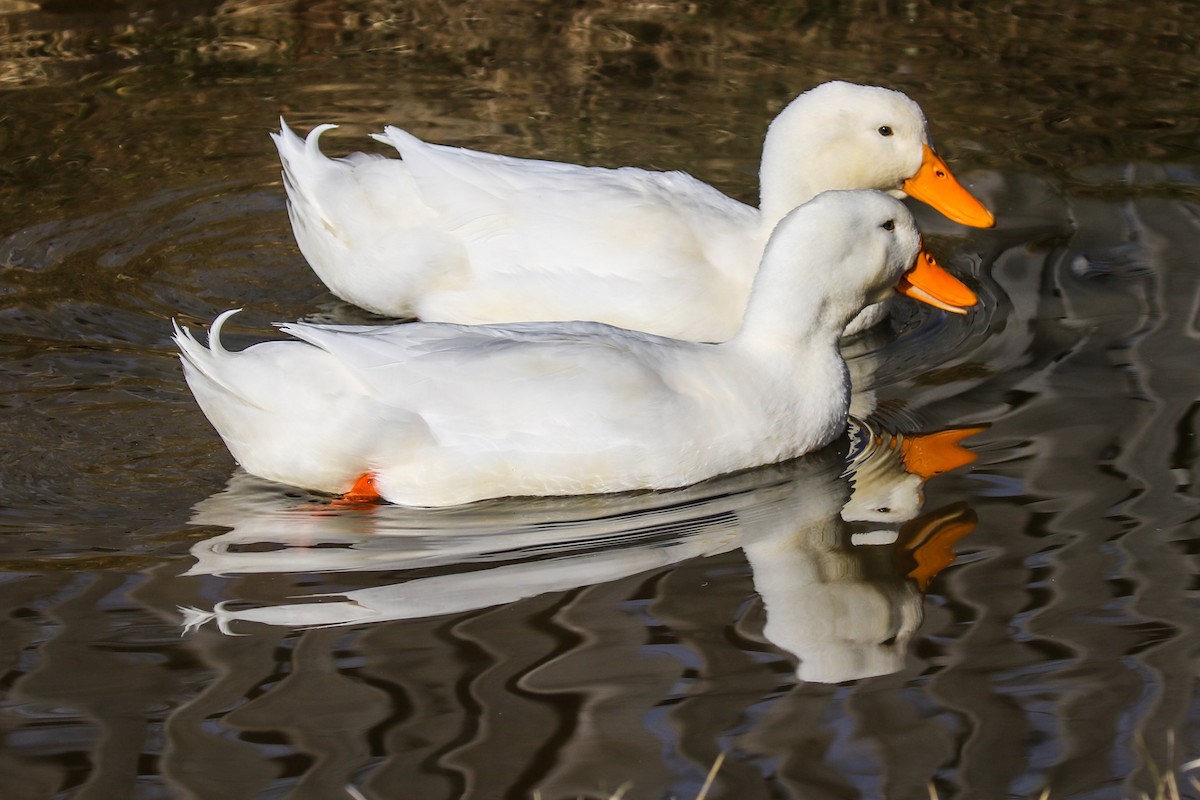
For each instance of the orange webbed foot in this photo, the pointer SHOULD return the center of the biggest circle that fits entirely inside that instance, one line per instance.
(364, 490)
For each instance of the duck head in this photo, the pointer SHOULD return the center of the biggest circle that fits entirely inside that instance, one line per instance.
(831, 257)
(844, 136)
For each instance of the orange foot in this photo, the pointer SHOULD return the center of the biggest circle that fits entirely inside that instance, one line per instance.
(363, 490)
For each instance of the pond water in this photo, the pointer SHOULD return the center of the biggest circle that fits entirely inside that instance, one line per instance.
(988, 587)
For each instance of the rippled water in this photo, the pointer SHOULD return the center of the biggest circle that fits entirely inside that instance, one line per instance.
(851, 624)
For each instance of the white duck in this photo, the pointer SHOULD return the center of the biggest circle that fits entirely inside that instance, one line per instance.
(455, 235)
(433, 414)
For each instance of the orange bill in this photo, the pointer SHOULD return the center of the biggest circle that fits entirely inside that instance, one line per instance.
(931, 284)
(932, 454)
(929, 541)
(933, 184)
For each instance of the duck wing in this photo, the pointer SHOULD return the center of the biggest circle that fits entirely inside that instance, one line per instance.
(529, 215)
(568, 385)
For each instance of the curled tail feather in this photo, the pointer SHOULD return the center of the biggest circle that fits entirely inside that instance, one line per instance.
(204, 361)
(301, 160)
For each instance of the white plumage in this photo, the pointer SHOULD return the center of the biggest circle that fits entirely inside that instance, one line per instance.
(441, 414)
(455, 235)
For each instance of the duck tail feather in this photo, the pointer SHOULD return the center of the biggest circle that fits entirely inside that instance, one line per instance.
(205, 362)
(400, 139)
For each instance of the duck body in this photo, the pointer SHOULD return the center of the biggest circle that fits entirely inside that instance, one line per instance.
(551, 409)
(447, 234)
(442, 414)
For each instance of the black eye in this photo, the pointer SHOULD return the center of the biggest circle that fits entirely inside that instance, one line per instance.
(885, 130)
(890, 225)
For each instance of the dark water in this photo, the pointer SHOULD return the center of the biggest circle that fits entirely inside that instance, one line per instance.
(839, 627)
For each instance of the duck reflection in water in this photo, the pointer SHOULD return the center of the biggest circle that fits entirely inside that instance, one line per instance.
(839, 555)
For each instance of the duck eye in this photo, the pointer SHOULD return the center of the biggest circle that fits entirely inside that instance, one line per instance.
(889, 225)
(885, 130)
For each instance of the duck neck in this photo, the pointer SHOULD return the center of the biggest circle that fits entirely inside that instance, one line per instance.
(797, 347)
(805, 324)
(791, 302)
(792, 170)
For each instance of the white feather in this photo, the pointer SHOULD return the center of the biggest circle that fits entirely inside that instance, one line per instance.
(444, 414)
(454, 235)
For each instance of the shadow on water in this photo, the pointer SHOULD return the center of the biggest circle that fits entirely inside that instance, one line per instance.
(844, 625)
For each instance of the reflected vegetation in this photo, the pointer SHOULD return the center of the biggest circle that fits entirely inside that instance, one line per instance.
(515, 647)
(1026, 84)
